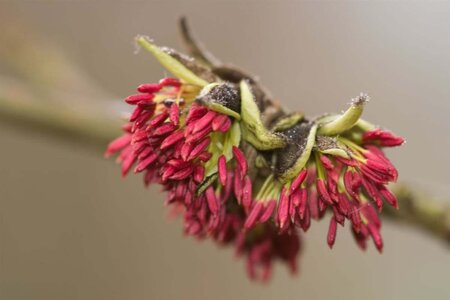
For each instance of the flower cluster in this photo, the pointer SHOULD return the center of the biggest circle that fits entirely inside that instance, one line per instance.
(345, 184)
(242, 180)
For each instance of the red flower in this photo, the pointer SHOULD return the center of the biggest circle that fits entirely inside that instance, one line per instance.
(237, 182)
(382, 138)
(168, 139)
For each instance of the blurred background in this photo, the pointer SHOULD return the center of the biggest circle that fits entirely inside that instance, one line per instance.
(72, 228)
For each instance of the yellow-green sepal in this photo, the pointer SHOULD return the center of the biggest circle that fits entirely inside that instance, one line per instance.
(222, 144)
(338, 124)
(171, 64)
(336, 152)
(302, 160)
(288, 121)
(253, 129)
(217, 107)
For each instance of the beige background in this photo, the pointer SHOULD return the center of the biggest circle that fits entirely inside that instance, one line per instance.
(71, 228)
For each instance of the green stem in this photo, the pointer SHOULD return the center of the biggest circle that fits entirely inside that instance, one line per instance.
(93, 131)
(420, 211)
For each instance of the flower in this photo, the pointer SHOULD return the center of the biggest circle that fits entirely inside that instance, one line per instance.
(241, 180)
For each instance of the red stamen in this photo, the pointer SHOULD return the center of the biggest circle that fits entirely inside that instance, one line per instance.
(149, 88)
(222, 166)
(331, 237)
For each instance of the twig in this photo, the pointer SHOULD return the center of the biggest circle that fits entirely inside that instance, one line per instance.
(95, 128)
(69, 125)
(416, 209)
(194, 47)
(421, 211)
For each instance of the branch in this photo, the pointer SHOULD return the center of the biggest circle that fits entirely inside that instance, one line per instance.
(69, 125)
(93, 124)
(422, 211)
(416, 209)
(45, 91)
(194, 47)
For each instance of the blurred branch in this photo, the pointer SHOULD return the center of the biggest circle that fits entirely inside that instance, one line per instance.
(422, 211)
(69, 125)
(416, 209)
(194, 46)
(43, 90)
(43, 104)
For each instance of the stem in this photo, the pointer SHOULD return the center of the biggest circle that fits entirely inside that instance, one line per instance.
(95, 126)
(421, 211)
(416, 209)
(345, 121)
(94, 132)
(195, 47)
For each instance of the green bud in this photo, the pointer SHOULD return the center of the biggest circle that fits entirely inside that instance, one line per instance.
(288, 121)
(344, 122)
